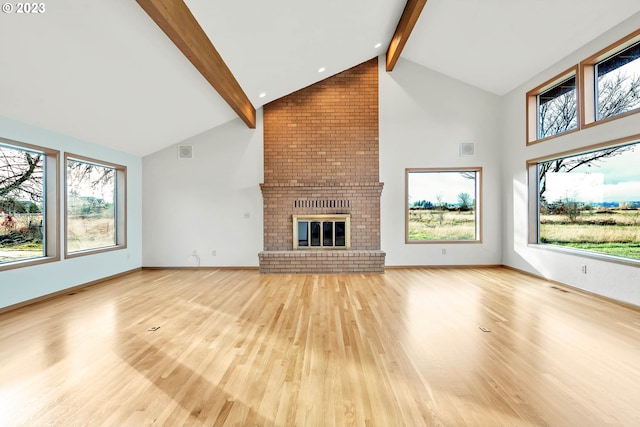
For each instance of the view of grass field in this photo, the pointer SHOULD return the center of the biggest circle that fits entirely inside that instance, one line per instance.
(24, 241)
(442, 204)
(591, 201)
(610, 231)
(90, 231)
(441, 225)
(91, 217)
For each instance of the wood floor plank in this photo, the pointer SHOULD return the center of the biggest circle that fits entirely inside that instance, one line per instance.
(412, 347)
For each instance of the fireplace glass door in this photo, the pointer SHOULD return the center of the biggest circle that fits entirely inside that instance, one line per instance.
(315, 233)
(303, 234)
(321, 232)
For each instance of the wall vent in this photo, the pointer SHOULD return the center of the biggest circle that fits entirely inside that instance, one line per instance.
(467, 149)
(297, 204)
(185, 151)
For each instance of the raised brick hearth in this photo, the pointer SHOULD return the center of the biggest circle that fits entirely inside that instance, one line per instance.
(321, 157)
(293, 262)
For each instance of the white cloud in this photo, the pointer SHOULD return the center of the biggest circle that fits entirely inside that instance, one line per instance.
(589, 188)
(622, 192)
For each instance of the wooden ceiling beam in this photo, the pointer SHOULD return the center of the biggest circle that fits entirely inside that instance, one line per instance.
(408, 20)
(177, 22)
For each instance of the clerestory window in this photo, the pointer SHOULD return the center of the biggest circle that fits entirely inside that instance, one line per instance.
(612, 81)
(552, 108)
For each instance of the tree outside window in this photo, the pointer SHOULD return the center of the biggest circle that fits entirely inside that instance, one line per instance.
(591, 201)
(92, 206)
(21, 204)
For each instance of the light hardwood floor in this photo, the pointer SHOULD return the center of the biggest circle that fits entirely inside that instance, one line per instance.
(401, 349)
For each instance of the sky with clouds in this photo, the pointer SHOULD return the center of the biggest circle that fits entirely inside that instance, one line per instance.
(446, 185)
(614, 179)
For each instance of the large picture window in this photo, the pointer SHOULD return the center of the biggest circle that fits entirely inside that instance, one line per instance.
(589, 200)
(94, 215)
(28, 204)
(443, 205)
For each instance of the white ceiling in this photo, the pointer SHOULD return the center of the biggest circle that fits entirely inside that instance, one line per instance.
(497, 45)
(102, 71)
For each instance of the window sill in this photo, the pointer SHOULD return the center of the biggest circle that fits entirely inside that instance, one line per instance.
(586, 254)
(441, 242)
(94, 251)
(28, 263)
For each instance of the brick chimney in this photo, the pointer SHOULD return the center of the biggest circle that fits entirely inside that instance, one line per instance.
(321, 157)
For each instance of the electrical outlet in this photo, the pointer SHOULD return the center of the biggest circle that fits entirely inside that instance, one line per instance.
(584, 269)
(444, 251)
(247, 215)
(214, 253)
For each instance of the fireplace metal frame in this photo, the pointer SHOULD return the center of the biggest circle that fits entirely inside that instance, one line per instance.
(323, 218)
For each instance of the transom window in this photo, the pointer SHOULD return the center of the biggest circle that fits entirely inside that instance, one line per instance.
(557, 109)
(321, 231)
(618, 83)
(603, 87)
(552, 108)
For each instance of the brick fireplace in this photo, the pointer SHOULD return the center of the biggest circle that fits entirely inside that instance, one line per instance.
(321, 158)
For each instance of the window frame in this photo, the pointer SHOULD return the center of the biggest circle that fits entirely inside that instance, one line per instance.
(51, 205)
(587, 98)
(533, 111)
(478, 205)
(346, 218)
(533, 216)
(120, 210)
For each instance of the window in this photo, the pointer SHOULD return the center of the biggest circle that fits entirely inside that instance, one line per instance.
(552, 108)
(589, 200)
(443, 205)
(28, 204)
(618, 83)
(94, 206)
(607, 87)
(557, 109)
(321, 231)
(612, 81)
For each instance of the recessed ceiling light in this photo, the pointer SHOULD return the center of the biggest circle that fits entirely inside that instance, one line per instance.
(378, 45)
(262, 95)
(321, 69)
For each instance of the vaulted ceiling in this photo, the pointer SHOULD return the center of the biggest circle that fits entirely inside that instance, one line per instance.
(104, 72)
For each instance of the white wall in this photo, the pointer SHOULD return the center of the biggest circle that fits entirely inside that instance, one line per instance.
(424, 116)
(178, 206)
(606, 278)
(200, 204)
(23, 284)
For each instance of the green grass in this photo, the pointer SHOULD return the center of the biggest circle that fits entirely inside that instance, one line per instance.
(613, 232)
(440, 225)
(24, 247)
